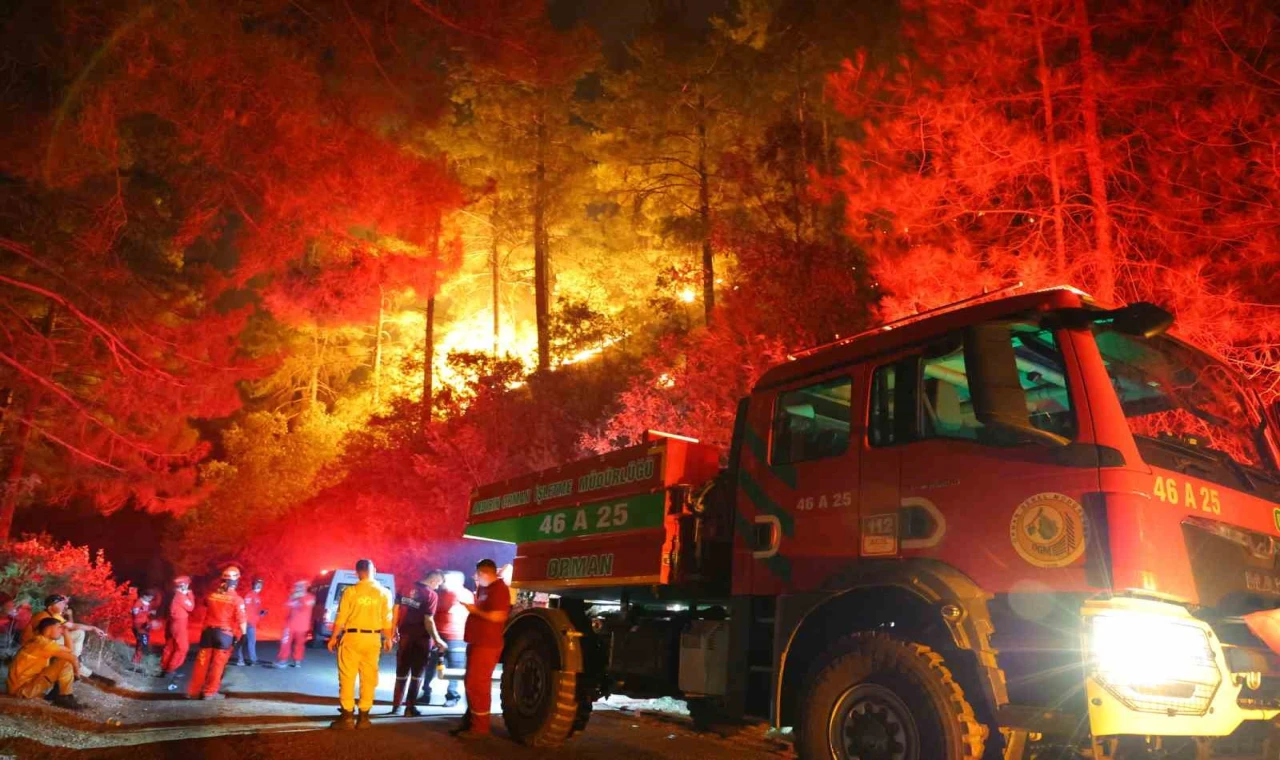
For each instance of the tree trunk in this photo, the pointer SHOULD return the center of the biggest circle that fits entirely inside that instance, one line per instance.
(1105, 278)
(494, 273)
(541, 264)
(18, 458)
(313, 387)
(801, 168)
(428, 366)
(1051, 146)
(429, 338)
(377, 350)
(17, 464)
(704, 217)
(825, 158)
(6, 408)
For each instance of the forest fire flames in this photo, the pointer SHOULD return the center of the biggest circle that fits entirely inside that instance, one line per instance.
(265, 266)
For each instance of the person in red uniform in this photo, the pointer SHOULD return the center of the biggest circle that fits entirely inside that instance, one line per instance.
(176, 637)
(451, 622)
(141, 615)
(224, 622)
(484, 646)
(247, 648)
(297, 624)
(415, 623)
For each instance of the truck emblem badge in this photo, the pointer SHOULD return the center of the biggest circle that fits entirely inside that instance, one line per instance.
(1048, 530)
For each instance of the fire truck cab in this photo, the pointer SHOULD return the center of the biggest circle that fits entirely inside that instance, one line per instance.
(1023, 526)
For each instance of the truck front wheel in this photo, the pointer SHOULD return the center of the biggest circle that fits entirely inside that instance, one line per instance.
(539, 701)
(877, 698)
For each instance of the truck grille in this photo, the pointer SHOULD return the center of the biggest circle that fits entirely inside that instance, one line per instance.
(1237, 572)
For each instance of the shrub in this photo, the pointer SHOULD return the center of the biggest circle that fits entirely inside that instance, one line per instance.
(37, 566)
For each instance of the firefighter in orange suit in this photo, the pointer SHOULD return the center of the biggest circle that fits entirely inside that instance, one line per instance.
(180, 608)
(297, 624)
(361, 632)
(484, 646)
(224, 623)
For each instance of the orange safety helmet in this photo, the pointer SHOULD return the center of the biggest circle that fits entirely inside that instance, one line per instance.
(181, 579)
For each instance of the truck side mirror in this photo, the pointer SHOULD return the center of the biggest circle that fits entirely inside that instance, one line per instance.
(1141, 318)
(992, 368)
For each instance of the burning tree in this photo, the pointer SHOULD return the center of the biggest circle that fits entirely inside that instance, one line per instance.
(201, 163)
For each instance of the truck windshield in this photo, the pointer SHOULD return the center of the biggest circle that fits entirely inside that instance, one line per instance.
(1186, 409)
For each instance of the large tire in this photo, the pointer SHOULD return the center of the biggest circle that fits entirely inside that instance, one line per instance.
(539, 701)
(876, 698)
(582, 716)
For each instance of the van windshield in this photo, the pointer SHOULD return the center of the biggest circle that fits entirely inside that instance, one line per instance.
(1186, 409)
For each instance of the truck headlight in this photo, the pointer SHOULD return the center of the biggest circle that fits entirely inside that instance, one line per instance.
(1154, 664)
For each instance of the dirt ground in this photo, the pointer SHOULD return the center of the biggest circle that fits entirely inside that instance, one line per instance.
(273, 713)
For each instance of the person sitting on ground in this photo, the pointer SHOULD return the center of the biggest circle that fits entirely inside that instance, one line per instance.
(55, 607)
(43, 664)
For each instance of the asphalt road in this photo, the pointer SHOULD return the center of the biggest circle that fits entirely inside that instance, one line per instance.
(317, 678)
(273, 713)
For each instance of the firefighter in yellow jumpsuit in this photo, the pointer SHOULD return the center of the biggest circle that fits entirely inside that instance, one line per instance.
(361, 632)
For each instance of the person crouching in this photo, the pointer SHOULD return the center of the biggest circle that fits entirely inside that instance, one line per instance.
(42, 665)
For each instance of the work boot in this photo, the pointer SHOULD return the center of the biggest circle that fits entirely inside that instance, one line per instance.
(364, 721)
(412, 700)
(295, 664)
(452, 701)
(412, 711)
(67, 702)
(345, 722)
(397, 695)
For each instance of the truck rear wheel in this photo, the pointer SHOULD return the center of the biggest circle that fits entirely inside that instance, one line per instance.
(539, 701)
(877, 698)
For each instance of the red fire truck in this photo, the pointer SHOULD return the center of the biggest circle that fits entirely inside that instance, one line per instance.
(1020, 526)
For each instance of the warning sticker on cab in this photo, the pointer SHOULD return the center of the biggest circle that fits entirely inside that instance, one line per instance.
(1048, 530)
(880, 535)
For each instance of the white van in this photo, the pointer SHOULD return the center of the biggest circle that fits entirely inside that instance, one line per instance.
(328, 588)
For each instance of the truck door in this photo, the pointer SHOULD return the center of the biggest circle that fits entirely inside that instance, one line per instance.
(1002, 504)
(1004, 507)
(798, 481)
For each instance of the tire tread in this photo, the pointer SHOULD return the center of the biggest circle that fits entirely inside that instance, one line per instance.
(883, 652)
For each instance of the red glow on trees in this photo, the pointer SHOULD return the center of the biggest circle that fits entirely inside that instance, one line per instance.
(1037, 142)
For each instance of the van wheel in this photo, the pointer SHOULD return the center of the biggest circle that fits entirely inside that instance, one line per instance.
(539, 701)
(877, 698)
